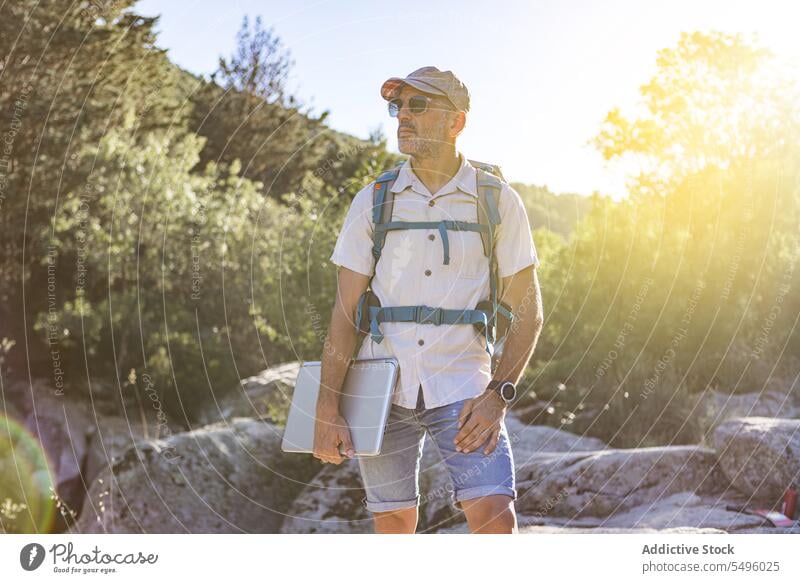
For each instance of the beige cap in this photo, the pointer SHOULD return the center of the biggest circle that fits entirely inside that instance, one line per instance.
(433, 81)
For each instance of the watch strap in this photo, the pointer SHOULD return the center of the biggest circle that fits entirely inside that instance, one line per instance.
(495, 385)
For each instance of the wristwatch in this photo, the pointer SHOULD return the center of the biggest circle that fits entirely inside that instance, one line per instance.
(506, 389)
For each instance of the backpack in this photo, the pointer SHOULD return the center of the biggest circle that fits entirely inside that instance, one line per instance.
(491, 317)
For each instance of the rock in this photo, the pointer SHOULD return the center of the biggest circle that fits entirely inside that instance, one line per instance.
(716, 407)
(523, 527)
(680, 513)
(538, 412)
(267, 394)
(113, 436)
(230, 477)
(771, 530)
(533, 411)
(684, 509)
(759, 455)
(527, 440)
(600, 530)
(603, 483)
(540, 524)
(331, 503)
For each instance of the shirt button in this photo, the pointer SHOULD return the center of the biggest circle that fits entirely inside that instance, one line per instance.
(431, 237)
(431, 203)
(427, 272)
(420, 342)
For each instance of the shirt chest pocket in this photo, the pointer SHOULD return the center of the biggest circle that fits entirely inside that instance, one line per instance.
(467, 259)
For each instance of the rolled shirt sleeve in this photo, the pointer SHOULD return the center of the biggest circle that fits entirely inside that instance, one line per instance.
(515, 249)
(353, 248)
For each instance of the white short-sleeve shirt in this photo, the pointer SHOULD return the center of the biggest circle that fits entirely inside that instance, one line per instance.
(448, 361)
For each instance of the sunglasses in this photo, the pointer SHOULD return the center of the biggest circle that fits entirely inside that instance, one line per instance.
(418, 104)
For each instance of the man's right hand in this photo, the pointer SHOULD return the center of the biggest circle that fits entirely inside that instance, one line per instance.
(329, 431)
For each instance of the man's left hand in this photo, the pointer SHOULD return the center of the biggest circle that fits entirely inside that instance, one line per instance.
(480, 419)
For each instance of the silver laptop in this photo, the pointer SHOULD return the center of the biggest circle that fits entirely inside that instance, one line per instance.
(365, 403)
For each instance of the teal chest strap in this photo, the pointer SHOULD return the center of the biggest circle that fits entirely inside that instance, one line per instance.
(442, 226)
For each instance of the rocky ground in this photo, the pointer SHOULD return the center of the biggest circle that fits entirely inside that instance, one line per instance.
(120, 475)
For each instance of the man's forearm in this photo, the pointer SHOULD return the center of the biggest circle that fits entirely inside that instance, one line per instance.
(336, 357)
(523, 333)
(518, 347)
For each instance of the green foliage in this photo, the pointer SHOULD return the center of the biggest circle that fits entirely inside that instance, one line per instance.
(260, 66)
(141, 249)
(246, 113)
(194, 279)
(149, 248)
(70, 71)
(689, 283)
(559, 213)
(714, 98)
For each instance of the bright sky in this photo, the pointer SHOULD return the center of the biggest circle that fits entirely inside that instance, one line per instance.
(542, 74)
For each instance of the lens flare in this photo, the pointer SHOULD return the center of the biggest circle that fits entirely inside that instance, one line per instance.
(26, 482)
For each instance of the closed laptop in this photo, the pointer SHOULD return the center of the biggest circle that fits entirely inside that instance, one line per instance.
(365, 403)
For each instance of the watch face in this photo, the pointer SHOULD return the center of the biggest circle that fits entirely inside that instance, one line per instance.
(508, 391)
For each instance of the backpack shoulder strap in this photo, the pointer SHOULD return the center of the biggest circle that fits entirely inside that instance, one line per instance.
(490, 168)
(382, 205)
(489, 187)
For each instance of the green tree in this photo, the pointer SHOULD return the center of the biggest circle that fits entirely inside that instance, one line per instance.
(675, 289)
(247, 113)
(69, 71)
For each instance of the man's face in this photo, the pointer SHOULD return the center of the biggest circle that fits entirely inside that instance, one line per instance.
(426, 134)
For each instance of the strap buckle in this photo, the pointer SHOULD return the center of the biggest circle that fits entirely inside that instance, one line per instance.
(428, 315)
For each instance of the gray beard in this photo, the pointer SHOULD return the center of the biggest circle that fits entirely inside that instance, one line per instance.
(433, 144)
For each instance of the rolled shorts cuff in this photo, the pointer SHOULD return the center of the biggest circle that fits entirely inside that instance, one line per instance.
(481, 491)
(391, 505)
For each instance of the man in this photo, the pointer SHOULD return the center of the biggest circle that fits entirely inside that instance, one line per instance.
(446, 388)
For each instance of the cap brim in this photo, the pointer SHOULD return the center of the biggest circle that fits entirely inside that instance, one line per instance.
(390, 85)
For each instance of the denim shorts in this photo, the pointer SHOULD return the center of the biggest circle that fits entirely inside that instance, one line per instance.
(391, 478)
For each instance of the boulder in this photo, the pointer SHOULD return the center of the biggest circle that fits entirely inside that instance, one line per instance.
(112, 436)
(267, 394)
(601, 530)
(330, 503)
(527, 440)
(555, 528)
(682, 513)
(532, 410)
(603, 483)
(715, 407)
(771, 530)
(229, 477)
(759, 455)
(684, 510)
